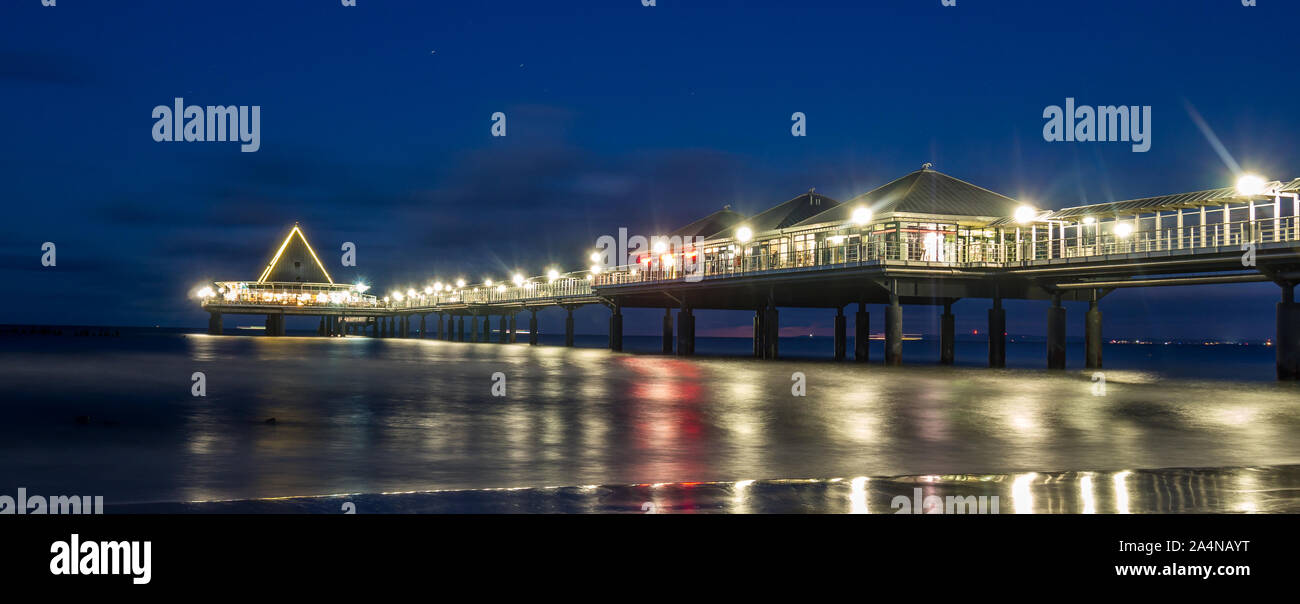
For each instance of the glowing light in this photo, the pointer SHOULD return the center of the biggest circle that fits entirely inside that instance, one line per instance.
(437, 286)
(487, 282)
(552, 275)
(661, 247)
(1089, 220)
(361, 287)
(595, 269)
(1025, 214)
(1251, 185)
(666, 259)
(1085, 492)
(206, 292)
(397, 296)
(460, 283)
(1121, 493)
(1021, 497)
(861, 216)
(428, 289)
(501, 288)
(274, 260)
(1123, 229)
(744, 234)
(518, 279)
(590, 277)
(595, 256)
(858, 495)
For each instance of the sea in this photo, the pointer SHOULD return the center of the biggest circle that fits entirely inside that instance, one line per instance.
(165, 420)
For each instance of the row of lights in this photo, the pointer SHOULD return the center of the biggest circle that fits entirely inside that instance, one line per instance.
(1247, 184)
(438, 287)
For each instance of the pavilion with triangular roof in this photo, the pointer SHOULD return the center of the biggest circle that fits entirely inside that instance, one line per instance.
(295, 262)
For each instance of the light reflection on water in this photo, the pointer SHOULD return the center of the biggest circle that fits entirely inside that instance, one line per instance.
(1175, 490)
(358, 415)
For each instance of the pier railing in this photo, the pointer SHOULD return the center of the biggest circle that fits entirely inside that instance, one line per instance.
(1097, 240)
(978, 248)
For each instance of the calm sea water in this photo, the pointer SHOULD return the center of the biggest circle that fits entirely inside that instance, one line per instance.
(359, 415)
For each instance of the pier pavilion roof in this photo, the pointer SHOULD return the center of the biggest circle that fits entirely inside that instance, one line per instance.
(785, 214)
(295, 262)
(718, 221)
(1177, 201)
(924, 192)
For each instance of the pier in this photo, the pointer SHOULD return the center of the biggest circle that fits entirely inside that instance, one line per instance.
(923, 239)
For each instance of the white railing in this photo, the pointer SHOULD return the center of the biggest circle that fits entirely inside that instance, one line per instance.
(1046, 243)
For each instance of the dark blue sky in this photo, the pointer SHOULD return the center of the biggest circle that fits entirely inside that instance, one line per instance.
(375, 129)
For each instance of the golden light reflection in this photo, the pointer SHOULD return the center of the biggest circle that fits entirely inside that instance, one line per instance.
(1247, 491)
(741, 499)
(858, 495)
(1022, 498)
(1121, 492)
(1085, 493)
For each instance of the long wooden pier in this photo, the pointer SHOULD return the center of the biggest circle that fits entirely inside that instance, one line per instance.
(923, 239)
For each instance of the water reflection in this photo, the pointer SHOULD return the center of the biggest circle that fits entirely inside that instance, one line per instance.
(371, 416)
(1217, 491)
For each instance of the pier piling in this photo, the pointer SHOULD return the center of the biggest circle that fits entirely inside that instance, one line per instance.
(568, 326)
(841, 333)
(862, 334)
(1056, 334)
(214, 323)
(894, 332)
(667, 346)
(616, 330)
(997, 334)
(771, 332)
(1092, 335)
(947, 335)
(685, 332)
(1287, 341)
(532, 327)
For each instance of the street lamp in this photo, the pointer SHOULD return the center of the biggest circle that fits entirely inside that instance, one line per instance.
(1251, 185)
(744, 234)
(861, 216)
